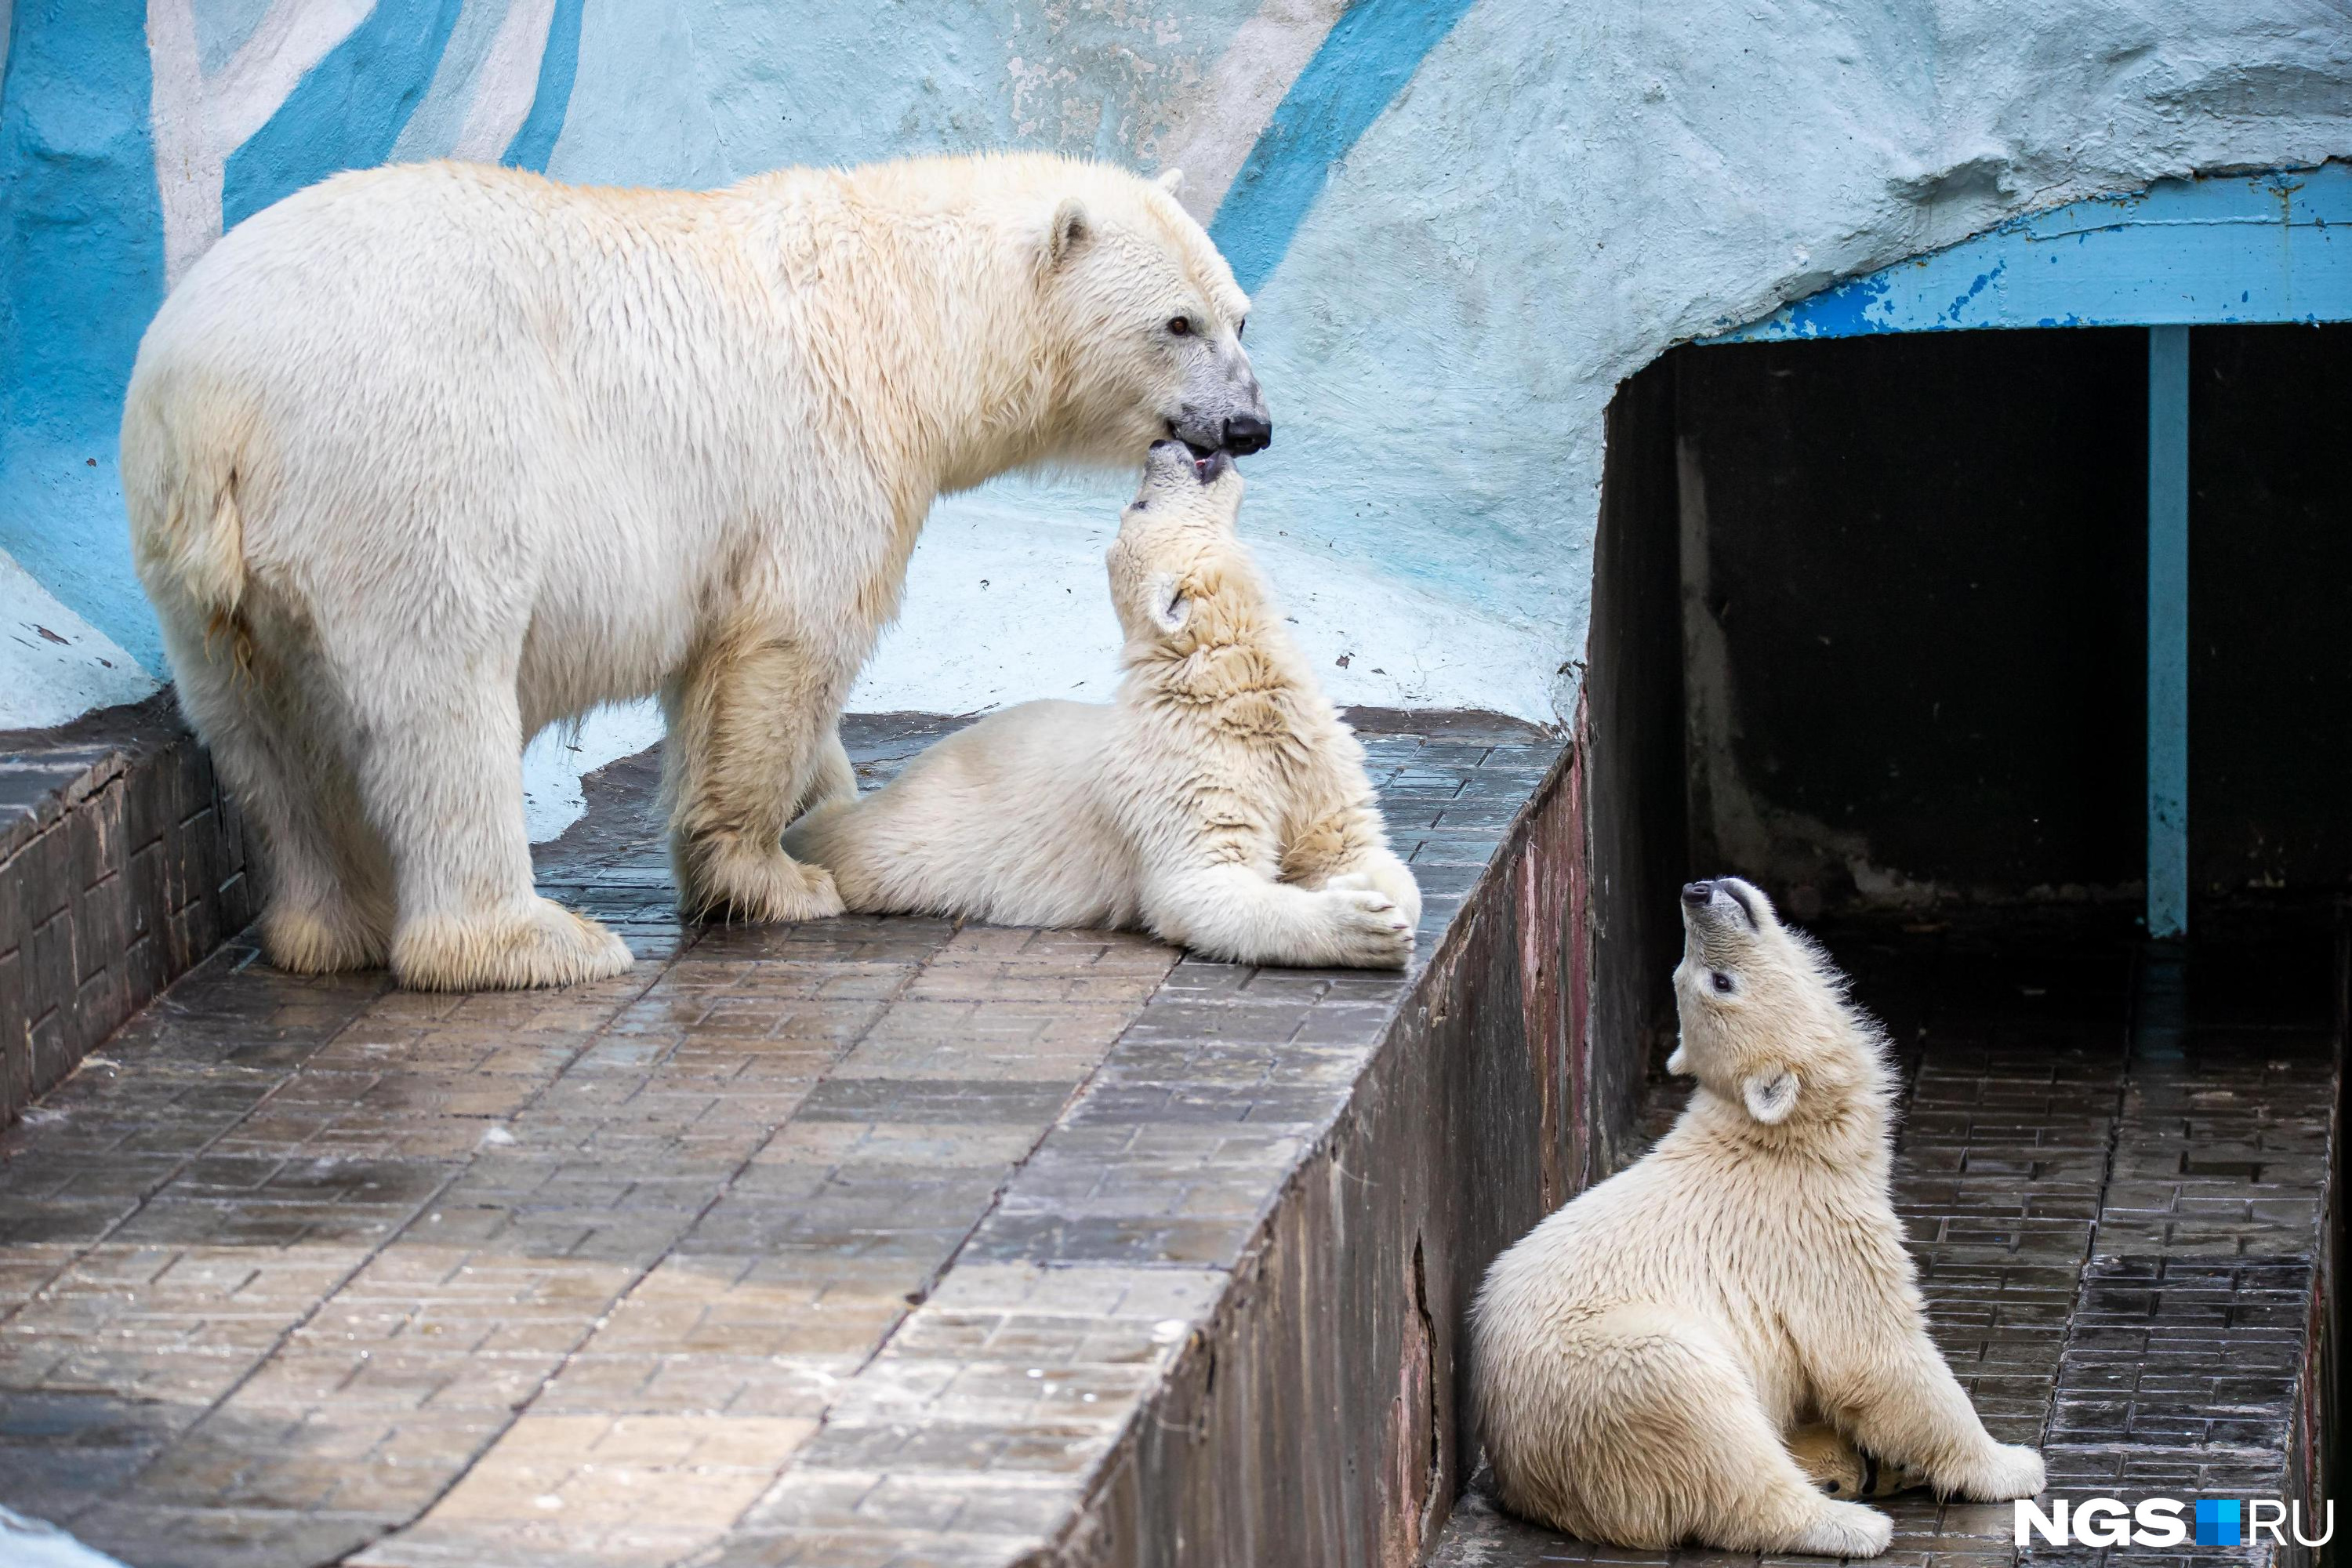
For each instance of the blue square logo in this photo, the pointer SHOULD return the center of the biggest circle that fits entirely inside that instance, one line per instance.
(2217, 1523)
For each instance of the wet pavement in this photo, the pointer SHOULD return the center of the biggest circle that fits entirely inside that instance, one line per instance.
(858, 1241)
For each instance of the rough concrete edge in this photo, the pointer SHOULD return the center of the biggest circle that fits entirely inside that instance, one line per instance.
(101, 746)
(92, 760)
(1107, 1524)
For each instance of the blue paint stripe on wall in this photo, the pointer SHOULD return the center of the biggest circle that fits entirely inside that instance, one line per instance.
(347, 112)
(81, 270)
(82, 251)
(1370, 54)
(559, 63)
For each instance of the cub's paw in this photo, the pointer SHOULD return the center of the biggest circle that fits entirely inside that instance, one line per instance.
(1832, 1463)
(509, 948)
(1366, 930)
(1845, 1530)
(726, 879)
(1391, 877)
(2002, 1474)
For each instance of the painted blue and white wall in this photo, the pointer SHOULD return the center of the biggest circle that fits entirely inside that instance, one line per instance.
(1463, 221)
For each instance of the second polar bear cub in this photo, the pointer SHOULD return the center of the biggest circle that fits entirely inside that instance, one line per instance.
(1219, 802)
(1647, 1357)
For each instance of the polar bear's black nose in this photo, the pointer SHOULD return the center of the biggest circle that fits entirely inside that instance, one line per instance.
(1246, 433)
(1697, 894)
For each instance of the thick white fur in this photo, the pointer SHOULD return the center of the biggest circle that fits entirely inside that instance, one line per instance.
(1644, 1357)
(1219, 802)
(424, 459)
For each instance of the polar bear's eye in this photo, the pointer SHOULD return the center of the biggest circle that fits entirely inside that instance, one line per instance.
(1179, 326)
(1240, 328)
(1722, 981)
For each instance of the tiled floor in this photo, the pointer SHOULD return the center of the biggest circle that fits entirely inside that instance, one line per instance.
(853, 1242)
(2113, 1183)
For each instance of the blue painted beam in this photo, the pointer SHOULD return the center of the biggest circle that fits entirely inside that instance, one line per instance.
(2245, 248)
(2167, 631)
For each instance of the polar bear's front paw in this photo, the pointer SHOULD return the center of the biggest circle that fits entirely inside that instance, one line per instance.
(1389, 876)
(2004, 1473)
(1368, 931)
(727, 880)
(512, 947)
(1845, 1530)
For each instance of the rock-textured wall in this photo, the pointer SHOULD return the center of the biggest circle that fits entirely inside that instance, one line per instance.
(1463, 224)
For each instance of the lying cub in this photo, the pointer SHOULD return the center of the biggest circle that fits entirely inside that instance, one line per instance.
(1218, 802)
(1723, 1343)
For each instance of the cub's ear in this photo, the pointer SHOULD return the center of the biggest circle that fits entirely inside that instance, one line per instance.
(1169, 606)
(1172, 181)
(1069, 231)
(1678, 1063)
(1770, 1095)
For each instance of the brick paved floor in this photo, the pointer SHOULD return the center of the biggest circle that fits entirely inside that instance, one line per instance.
(851, 1242)
(2117, 1228)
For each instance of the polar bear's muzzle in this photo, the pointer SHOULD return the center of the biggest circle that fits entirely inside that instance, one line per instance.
(1722, 899)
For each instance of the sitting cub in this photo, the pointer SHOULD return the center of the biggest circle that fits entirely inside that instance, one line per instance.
(1647, 1357)
(1218, 802)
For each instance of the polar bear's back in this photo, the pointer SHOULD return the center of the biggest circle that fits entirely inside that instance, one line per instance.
(1002, 820)
(448, 385)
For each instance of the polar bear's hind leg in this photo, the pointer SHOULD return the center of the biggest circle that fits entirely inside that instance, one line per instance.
(441, 776)
(328, 898)
(1671, 1447)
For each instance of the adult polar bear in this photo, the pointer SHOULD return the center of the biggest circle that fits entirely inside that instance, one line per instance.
(424, 459)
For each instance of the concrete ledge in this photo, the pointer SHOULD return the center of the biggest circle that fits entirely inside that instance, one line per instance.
(1315, 1415)
(121, 865)
(860, 1241)
(1251, 1237)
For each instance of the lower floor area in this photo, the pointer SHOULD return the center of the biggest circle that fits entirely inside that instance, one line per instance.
(2114, 1166)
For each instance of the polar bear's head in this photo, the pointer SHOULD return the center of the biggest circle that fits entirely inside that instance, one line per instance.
(1147, 323)
(1176, 554)
(1765, 1020)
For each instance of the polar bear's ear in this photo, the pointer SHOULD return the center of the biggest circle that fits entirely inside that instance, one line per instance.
(1069, 231)
(1165, 597)
(1172, 181)
(1770, 1095)
(1679, 1063)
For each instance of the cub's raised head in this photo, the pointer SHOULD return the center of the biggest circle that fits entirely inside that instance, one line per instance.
(1148, 320)
(1765, 1021)
(1176, 550)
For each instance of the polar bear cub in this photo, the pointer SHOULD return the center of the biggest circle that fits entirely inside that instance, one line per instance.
(1646, 1357)
(1218, 802)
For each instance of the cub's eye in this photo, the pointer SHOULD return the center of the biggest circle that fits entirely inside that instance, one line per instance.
(1241, 329)
(1179, 326)
(1722, 981)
